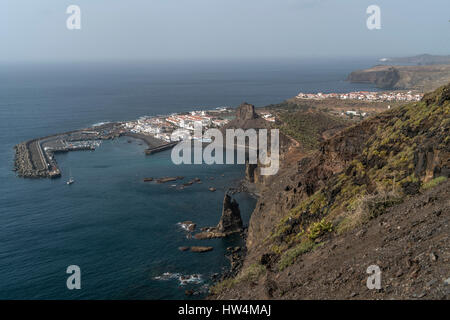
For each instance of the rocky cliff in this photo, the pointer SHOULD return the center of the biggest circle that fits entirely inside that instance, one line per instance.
(246, 112)
(247, 118)
(384, 77)
(360, 182)
(422, 78)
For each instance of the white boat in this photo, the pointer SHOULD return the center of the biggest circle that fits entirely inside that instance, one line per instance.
(71, 179)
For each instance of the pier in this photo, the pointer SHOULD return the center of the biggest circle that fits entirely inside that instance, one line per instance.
(166, 146)
(35, 158)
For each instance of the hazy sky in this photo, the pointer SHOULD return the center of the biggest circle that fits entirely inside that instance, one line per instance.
(220, 29)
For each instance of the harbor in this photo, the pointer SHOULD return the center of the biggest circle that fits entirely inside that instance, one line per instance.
(36, 158)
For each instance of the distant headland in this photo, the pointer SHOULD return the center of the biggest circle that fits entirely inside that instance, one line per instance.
(422, 73)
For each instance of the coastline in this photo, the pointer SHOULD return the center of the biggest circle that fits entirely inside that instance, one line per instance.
(35, 158)
(114, 130)
(110, 131)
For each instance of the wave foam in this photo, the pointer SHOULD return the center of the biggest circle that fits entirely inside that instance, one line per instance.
(182, 279)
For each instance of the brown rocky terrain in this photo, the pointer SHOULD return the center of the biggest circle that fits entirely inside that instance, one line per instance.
(247, 118)
(374, 193)
(410, 243)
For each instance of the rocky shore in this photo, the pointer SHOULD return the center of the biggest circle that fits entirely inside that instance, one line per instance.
(25, 165)
(35, 159)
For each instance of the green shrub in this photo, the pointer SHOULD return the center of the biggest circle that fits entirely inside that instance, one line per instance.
(319, 228)
(434, 182)
(223, 285)
(368, 207)
(252, 273)
(290, 255)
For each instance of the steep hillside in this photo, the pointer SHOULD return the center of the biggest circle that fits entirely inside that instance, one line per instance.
(309, 127)
(367, 176)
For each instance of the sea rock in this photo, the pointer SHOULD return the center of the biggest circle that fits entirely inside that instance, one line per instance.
(209, 235)
(201, 249)
(168, 179)
(231, 220)
(188, 225)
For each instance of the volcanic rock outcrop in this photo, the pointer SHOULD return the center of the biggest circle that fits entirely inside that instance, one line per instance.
(231, 216)
(247, 118)
(230, 221)
(246, 111)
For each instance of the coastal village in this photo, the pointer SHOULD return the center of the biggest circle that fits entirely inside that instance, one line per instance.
(35, 158)
(368, 100)
(364, 96)
(163, 127)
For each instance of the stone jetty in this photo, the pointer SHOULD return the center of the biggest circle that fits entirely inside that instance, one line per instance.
(35, 158)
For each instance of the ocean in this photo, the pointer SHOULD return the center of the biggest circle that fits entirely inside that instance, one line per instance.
(121, 232)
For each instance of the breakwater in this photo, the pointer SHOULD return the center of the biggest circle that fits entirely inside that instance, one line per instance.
(35, 158)
(160, 148)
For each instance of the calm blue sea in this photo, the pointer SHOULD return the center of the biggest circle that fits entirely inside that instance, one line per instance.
(122, 232)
